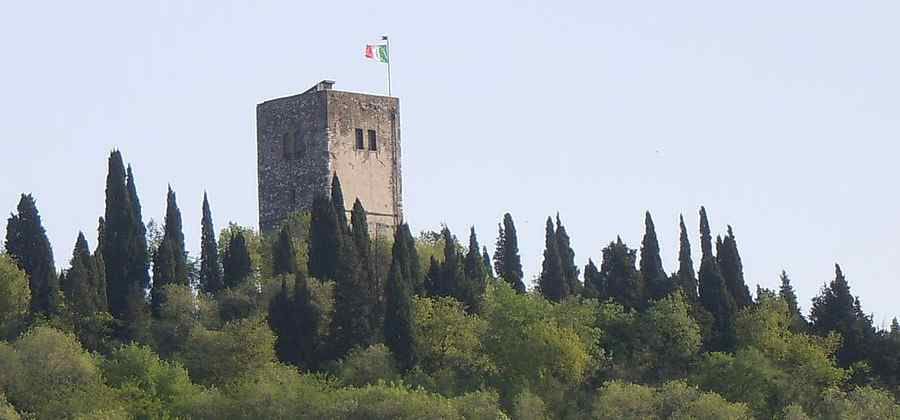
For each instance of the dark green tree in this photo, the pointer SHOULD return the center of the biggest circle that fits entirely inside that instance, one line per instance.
(337, 199)
(354, 323)
(210, 270)
(686, 278)
(359, 229)
(567, 259)
(236, 263)
(283, 255)
(102, 304)
(653, 275)
(432, 283)
(552, 282)
(507, 261)
(80, 284)
(28, 246)
(295, 321)
(836, 309)
(324, 237)
(139, 255)
(471, 292)
(412, 266)
(714, 294)
(623, 282)
(732, 270)
(451, 274)
(398, 319)
(594, 283)
(786, 292)
(486, 261)
(170, 259)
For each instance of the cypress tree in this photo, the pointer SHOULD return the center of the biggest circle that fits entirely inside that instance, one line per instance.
(80, 283)
(102, 304)
(353, 324)
(398, 319)
(337, 199)
(507, 261)
(170, 259)
(139, 256)
(732, 270)
(473, 286)
(306, 319)
(552, 282)
(786, 292)
(686, 278)
(411, 265)
(433, 278)
(623, 282)
(836, 309)
(594, 283)
(28, 246)
(451, 273)
(486, 262)
(210, 271)
(117, 236)
(567, 259)
(236, 262)
(363, 249)
(283, 255)
(714, 295)
(281, 322)
(652, 273)
(324, 237)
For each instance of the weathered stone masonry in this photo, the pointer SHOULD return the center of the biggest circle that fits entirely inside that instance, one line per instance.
(303, 139)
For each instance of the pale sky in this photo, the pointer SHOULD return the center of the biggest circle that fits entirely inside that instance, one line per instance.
(782, 118)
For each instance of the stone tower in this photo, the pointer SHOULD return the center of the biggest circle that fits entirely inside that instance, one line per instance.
(303, 139)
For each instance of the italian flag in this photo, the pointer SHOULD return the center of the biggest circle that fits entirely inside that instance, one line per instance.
(378, 52)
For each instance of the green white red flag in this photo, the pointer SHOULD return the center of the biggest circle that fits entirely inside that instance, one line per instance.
(377, 52)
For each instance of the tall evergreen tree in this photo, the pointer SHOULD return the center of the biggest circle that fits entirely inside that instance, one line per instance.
(117, 236)
(451, 273)
(486, 262)
(786, 292)
(236, 263)
(283, 255)
(324, 237)
(652, 273)
(432, 281)
(81, 283)
(295, 321)
(363, 248)
(686, 278)
(594, 283)
(353, 324)
(28, 246)
(102, 303)
(210, 270)
(337, 199)
(567, 259)
(623, 282)
(139, 255)
(507, 261)
(714, 294)
(552, 282)
(474, 278)
(398, 319)
(732, 270)
(170, 259)
(836, 309)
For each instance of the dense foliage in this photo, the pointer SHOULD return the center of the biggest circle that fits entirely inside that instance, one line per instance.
(320, 319)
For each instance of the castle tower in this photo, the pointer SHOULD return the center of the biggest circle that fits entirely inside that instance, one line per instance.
(303, 139)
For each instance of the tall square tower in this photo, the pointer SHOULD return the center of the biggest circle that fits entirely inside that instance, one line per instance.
(303, 139)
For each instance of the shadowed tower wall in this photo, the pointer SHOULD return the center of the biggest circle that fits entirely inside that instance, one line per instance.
(303, 139)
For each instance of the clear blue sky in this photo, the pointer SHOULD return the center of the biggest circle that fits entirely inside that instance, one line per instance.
(782, 118)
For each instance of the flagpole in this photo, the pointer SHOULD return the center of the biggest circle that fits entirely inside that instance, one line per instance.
(387, 43)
